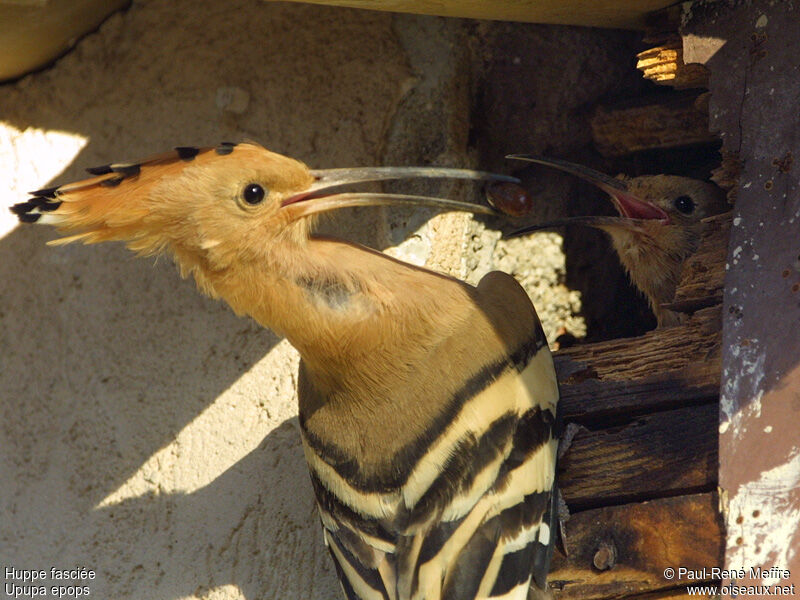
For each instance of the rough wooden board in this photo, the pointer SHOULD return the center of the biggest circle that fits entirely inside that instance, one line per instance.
(598, 13)
(661, 454)
(668, 122)
(726, 175)
(663, 368)
(755, 93)
(703, 275)
(647, 538)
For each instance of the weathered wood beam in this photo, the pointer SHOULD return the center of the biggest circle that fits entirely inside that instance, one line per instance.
(662, 369)
(703, 276)
(672, 121)
(661, 454)
(623, 550)
(726, 175)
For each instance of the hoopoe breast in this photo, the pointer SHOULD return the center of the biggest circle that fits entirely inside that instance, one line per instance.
(465, 510)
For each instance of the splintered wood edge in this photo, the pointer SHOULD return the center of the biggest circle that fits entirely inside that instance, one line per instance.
(726, 175)
(664, 65)
(703, 275)
(637, 543)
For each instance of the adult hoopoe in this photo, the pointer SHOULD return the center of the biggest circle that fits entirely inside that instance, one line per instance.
(427, 406)
(658, 228)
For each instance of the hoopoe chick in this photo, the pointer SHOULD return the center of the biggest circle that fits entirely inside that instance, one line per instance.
(427, 406)
(658, 228)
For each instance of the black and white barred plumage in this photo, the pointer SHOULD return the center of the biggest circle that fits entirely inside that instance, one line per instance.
(463, 509)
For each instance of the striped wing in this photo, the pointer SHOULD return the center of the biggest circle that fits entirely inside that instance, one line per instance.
(473, 517)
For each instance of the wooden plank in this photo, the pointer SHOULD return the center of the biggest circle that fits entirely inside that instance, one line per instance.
(670, 121)
(703, 275)
(598, 13)
(662, 454)
(633, 544)
(751, 49)
(726, 175)
(662, 369)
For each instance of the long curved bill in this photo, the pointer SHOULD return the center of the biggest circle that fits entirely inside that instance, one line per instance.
(328, 179)
(599, 222)
(318, 204)
(628, 205)
(321, 195)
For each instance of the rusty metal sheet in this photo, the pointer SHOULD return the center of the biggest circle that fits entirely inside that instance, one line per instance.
(752, 49)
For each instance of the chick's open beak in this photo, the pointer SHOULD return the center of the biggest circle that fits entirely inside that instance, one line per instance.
(319, 197)
(633, 211)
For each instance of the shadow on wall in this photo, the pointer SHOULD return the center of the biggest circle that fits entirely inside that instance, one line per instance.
(253, 528)
(120, 384)
(106, 361)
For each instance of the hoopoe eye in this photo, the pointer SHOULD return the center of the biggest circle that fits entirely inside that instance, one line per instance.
(253, 193)
(684, 204)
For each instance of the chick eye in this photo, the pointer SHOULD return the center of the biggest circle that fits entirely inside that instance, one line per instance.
(253, 193)
(684, 204)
